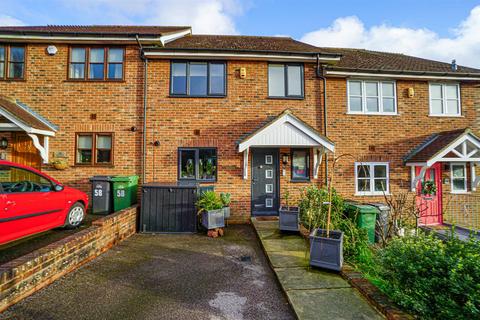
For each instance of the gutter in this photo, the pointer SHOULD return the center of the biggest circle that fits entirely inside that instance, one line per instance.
(321, 75)
(145, 82)
(403, 74)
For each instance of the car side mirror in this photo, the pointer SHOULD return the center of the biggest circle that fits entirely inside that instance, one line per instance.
(58, 188)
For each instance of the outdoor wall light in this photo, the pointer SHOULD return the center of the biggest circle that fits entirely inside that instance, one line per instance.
(3, 143)
(285, 159)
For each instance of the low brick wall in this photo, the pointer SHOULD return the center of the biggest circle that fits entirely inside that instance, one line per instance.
(21, 277)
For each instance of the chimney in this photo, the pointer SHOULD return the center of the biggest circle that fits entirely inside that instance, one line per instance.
(454, 65)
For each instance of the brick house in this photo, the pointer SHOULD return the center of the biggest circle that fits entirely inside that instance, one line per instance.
(245, 115)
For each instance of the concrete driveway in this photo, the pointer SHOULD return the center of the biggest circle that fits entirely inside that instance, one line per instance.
(166, 277)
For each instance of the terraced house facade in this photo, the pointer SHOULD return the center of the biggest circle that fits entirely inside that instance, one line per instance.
(253, 116)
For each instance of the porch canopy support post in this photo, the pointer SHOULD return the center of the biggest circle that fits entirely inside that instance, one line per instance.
(317, 160)
(42, 149)
(417, 178)
(475, 178)
(245, 164)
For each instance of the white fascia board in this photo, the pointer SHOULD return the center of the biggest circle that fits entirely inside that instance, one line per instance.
(76, 39)
(453, 145)
(237, 56)
(25, 127)
(174, 36)
(295, 122)
(397, 76)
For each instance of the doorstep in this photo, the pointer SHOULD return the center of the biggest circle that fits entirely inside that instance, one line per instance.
(312, 293)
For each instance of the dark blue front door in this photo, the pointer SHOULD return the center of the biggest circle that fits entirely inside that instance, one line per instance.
(265, 189)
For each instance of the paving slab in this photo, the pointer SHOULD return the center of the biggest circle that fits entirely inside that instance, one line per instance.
(285, 244)
(284, 259)
(313, 293)
(309, 278)
(343, 303)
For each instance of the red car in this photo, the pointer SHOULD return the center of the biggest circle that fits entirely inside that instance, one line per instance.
(32, 202)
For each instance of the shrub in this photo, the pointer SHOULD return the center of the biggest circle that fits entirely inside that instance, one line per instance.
(208, 201)
(314, 210)
(432, 278)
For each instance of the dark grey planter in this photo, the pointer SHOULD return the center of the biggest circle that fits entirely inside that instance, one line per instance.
(326, 252)
(289, 219)
(213, 219)
(226, 212)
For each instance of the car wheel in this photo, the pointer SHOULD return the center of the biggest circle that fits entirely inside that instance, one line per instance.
(75, 216)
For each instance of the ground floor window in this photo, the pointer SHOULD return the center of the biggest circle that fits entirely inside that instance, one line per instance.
(371, 178)
(198, 164)
(94, 148)
(300, 164)
(459, 177)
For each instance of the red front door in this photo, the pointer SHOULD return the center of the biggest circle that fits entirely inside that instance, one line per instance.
(430, 206)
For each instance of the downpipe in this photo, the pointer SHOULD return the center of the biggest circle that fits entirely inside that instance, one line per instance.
(321, 75)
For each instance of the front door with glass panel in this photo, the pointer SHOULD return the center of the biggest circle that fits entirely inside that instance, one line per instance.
(429, 200)
(265, 191)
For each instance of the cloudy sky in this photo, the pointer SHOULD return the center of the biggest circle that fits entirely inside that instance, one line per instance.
(436, 29)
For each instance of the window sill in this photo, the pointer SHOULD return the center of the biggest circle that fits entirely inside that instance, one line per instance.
(460, 192)
(80, 165)
(286, 98)
(203, 97)
(299, 180)
(446, 116)
(371, 114)
(13, 80)
(371, 194)
(95, 81)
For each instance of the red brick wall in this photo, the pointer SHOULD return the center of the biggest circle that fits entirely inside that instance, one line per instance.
(391, 137)
(69, 104)
(22, 277)
(222, 122)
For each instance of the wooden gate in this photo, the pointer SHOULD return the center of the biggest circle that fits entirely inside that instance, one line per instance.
(24, 152)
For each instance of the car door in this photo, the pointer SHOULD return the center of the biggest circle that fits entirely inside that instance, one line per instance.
(29, 203)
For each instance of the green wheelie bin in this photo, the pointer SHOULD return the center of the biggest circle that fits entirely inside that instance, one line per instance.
(124, 191)
(365, 217)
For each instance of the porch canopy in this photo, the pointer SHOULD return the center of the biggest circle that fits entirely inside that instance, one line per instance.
(16, 116)
(286, 130)
(448, 146)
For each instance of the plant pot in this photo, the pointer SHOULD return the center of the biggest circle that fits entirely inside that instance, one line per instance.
(226, 212)
(60, 165)
(289, 219)
(213, 219)
(326, 252)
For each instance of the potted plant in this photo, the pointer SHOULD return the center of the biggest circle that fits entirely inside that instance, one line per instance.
(59, 164)
(210, 207)
(225, 197)
(288, 217)
(321, 205)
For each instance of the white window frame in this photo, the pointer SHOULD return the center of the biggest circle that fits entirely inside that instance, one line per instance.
(372, 191)
(380, 97)
(444, 99)
(464, 165)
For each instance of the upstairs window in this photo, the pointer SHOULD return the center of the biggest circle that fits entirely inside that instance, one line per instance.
(285, 81)
(445, 99)
(96, 63)
(12, 62)
(371, 97)
(199, 164)
(94, 148)
(198, 79)
(371, 178)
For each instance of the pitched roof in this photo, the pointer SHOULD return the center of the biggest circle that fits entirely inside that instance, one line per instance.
(375, 61)
(93, 29)
(242, 43)
(433, 145)
(285, 130)
(15, 110)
